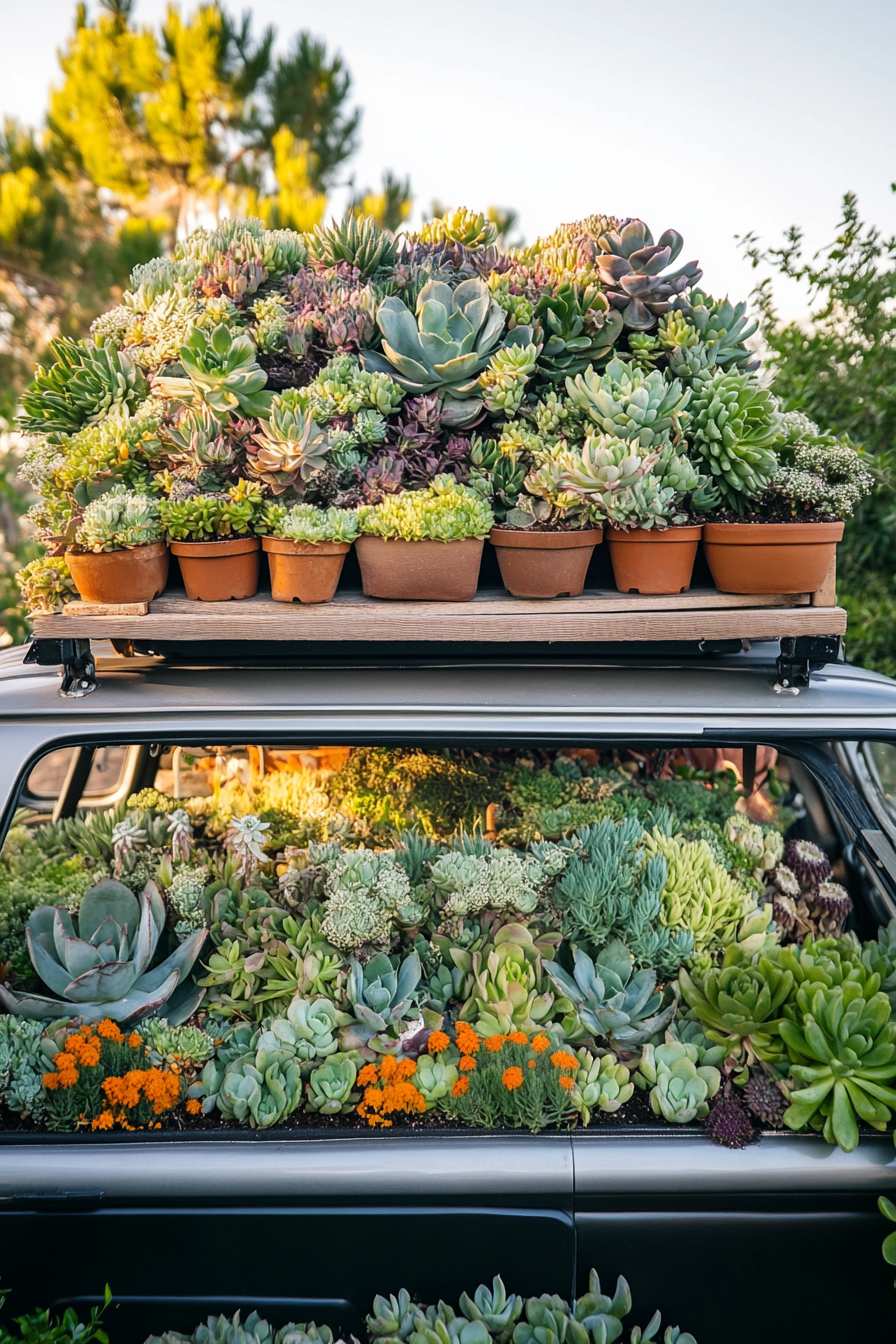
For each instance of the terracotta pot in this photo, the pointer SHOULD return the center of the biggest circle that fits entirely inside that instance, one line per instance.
(544, 564)
(647, 561)
(432, 571)
(134, 575)
(770, 557)
(216, 571)
(304, 571)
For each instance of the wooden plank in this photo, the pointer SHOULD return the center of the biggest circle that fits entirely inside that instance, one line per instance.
(827, 593)
(595, 616)
(105, 609)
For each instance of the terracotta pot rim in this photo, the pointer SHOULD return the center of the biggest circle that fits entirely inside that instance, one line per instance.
(771, 534)
(211, 549)
(687, 532)
(149, 548)
(545, 541)
(284, 546)
(416, 541)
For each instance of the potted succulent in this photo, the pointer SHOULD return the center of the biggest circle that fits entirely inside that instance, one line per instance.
(424, 544)
(306, 549)
(118, 554)
(786, 540)
(214, 538)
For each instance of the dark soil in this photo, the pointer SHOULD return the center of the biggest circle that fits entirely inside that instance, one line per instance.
(810, 516)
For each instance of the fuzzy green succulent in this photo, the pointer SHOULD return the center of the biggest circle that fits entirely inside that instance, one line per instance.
(83, 385)
(119, 520)
(442, 346)
(443, 512)
(629, 404)
(357, 241)
(734, 428)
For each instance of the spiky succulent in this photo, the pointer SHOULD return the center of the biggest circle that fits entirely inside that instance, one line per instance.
(627, 403)
(443, 346)
(357, 241)
(733, 429)
(98, 961)
(289, 446)
(222, 372)
(614, 1003)
(632, 269)
(199, 440)
(579, 329)
(84, 384)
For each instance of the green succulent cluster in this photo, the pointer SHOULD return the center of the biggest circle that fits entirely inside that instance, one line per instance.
(83, 385)
(734, 428)
(681, 1086)
(580, 330)
(253, 1330)
(611, 1000)
(366, 892)
(356, 241)
(26, 1052)
(46, 585)
(221, 371)
(628, 404)
(474, 231)
(601, 1084)
(119, 520)
(443, 512)
(289, 447)
(304, 522)
(505, 377)
(210, 517)
(699, 894)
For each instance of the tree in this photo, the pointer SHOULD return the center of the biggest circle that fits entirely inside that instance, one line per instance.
(840, 369)
(389, 207)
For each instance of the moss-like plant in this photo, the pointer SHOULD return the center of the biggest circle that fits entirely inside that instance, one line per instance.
(119, 520)
(304, 522)
(445, 512)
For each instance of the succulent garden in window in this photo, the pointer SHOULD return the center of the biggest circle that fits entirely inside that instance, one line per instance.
(433, 387)
(299, 938)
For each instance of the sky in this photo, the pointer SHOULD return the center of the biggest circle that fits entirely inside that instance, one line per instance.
(707, 116)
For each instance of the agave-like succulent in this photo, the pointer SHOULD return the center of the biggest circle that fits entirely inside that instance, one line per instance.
(443, 346)
(610, 1001)
(734, 427)
(722, 327)
(98, 961)
(83, 385)
(288, 448)
(495, 1307)
(633, 272)
(579, 328)
(222, 372)
(358, 241)
(630, 404)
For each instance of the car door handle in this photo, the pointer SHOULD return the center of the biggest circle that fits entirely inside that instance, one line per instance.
(65, 1201)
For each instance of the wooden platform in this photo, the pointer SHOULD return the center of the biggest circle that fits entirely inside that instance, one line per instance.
(599, 615)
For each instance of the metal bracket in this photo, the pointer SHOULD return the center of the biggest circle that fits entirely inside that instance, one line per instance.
(801, 655)
(78, 665)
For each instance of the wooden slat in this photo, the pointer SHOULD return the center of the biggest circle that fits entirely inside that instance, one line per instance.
(597, 615)
(105, 609)
(827, 593)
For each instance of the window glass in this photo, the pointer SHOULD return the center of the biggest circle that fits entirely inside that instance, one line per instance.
(48, 775)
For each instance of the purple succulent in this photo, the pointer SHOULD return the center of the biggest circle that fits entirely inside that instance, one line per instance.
(765, 1099)
(832, 899)
(810, 863)
(728, 1123)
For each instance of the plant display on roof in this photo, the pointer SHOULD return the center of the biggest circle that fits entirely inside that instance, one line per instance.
(581, 379)
(507, 938)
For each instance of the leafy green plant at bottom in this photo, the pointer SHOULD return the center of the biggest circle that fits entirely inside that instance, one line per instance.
(38, 1327)
(888, 1209)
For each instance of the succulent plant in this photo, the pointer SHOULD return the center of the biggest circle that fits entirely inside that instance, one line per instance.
(765, 1098)
(259, 1088)
(632, 269)
(119, 520)
(500, 879)
(601, 1084)
(443, 346)
(381, 994)
(199, 440)
(289, 447)
(504, 378)
(222, 372)
(46, 585)
(844, 1055)
(304, 522)
(699, 894)
(596, 474)
(628, 404)
(623, 1007)
(392, 1319)
(83, 385)
(740, 1007)
(809, 862)
(734, 427)
(329, 1087)
(495, 1307)
(729, 1124)
(366, 891)
(508, 992)
(721, 327)
(98, 961)
(473, 231)
(579, 329)
(434, 1079)
(181, 1048)
(313, 1027)
(680, 1087)
(357, 241)
(444, 512)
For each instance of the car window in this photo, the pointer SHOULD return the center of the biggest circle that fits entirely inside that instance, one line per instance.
(48, 775)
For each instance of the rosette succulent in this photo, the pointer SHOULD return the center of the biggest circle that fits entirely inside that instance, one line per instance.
(508, 992)
(329, 1088)
(434, 1079)
(740, 1006)
(474, 231)
(495, 1307)
(844, 1055)
(680, 1087)
(119, 520)
(601, 1084)
(611, 999)
(83, 385)
(734, 427)
(289, 447)
(700, 894)
(99, 961)
(359, 242)
(632, 269)
(629, 404)
(381, 994)
(222, 372)
(441, 347)
(579, 329)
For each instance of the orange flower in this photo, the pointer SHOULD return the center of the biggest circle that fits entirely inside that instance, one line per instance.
(495, 1043)
(531, 1063)
(567, 1082)
(105, 1120)
(194, 1106)
(466, 1038)
(110, 1031)
(540, 1043)
(512, 1078)
(406, 1068)
(467, 1064)
(51, 1081)
(562, 1059)
(388, 1067)
(134, 1040)
(460, 1087)
(438, 1041)
(369, 1074)
(518, 1038)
